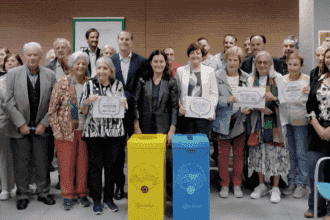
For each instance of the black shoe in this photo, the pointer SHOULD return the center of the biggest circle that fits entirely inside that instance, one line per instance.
(58, 185)
(51, 168)
(22, 204)
(120, 194)
(48, 200)
(84, 201)
(111, 206)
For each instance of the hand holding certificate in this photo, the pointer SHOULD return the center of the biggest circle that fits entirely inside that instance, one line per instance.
(199, 107)
(108, 107)
(250, 97)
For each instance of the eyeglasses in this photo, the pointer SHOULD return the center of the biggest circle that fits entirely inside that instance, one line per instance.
(262, 62)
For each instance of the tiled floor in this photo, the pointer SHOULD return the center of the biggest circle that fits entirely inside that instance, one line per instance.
(220, 209)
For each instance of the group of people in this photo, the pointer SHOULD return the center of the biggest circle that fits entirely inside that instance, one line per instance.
(52, 105)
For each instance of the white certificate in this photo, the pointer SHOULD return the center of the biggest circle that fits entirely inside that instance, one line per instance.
(250, 97)
(199, 107)
(291, 91)
(108, 107)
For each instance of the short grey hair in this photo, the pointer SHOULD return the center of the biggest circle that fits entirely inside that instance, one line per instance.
(108, 46)
(62, 40)
(75, 56)
(49, 55)
(107, 61)
(294, 39)
(32, 45)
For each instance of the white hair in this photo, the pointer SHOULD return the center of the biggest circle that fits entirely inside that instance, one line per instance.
(32, 45)
(75, 56)
(272, 72)
(108, 46)
(107, 61)
(50, 55)
(58, 40)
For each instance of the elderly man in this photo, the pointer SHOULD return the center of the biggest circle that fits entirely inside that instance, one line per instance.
(258, 43)
(247, 47)
(108, 51)
(92, 38)
(172, 66)
(228, 41)
(126, 63)
(62, 49)
(290, 45)
(27, 96)
(319, 56)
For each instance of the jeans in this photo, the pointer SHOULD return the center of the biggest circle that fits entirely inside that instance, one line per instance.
(313, 157)
(297, 143)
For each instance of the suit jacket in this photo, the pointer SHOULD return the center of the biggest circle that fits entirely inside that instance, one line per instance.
(17, 100)
(247, 65)
(313, 74)
(167, 110)
(98, 55)
(51, 64)
(209, 84)
(132, 77)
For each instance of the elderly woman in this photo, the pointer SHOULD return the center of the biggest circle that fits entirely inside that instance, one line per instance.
(159, 90)
(319, 134)
(229, 125)
(67, 125)
(195, 80)
(269, 157)
(293, 116)
(6, 157)
(105, 137)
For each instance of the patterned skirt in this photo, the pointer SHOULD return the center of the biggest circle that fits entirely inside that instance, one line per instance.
(269, 160)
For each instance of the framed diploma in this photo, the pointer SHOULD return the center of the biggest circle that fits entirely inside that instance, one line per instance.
(250, 97)
(291, 91)
(108, 107)
(199, 107)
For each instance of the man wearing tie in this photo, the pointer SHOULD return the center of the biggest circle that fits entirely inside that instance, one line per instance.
(126, 63)
(92, 38)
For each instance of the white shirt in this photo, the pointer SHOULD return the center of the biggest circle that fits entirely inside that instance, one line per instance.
(124, 64)
(233, 82)
(59, 71)
(92, 57)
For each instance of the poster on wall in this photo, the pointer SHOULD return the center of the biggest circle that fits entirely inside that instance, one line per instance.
(108, 27)
(324, 36)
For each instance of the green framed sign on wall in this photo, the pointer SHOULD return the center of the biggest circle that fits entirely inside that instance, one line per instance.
(108, 27)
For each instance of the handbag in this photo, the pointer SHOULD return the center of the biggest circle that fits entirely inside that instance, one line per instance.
(254, 136)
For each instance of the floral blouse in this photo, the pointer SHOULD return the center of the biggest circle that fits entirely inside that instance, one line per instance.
(102, 127)
(323, 96)
(59, 112)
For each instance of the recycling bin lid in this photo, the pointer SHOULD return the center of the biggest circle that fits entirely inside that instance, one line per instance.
(146, 138)
(190, 139)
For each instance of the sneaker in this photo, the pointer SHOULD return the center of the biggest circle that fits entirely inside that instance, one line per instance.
(289, 190)
(299, 192)
(111, 206)
(67, 204)
(84, 201)
(4, 195)
(238, 192)
(97, 208)
(259, 191)
(224, 192)
(275, 195)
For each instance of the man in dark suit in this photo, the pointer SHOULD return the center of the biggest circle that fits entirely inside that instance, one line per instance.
(92, 38)
(126, 64)
(257, 43)
(28, 92)
(290, 45)
(319, 56)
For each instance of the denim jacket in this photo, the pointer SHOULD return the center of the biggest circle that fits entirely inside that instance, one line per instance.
(224, 109)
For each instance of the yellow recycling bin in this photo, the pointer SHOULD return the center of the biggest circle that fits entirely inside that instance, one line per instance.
(146, 161)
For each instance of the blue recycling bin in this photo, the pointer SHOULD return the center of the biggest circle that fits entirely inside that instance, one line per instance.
(191, 177)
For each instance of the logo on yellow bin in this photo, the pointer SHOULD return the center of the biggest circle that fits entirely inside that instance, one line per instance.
(144, 177)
